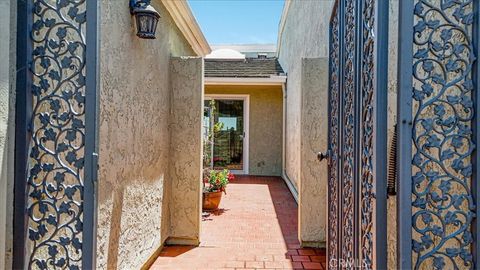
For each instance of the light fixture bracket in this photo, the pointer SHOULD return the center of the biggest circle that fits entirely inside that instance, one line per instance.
(138, 4)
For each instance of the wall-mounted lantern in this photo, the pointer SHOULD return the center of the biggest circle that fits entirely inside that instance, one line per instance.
(146, 18)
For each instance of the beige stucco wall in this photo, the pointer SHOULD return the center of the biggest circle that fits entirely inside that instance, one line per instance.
(314, 136)
(304, 35)
(186, 149)
(392, 113)
(134, 138)
(265, 125)
(7, 127)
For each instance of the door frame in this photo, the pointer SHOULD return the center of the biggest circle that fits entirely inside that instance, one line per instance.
(246, 128)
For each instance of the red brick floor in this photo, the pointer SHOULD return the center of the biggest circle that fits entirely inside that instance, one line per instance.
(255, 228)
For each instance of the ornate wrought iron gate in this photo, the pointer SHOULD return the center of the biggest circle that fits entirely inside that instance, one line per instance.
(55, 160)
(357, 135)
(439, 135)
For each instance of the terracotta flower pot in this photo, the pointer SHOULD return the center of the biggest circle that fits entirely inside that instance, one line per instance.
(211, 200)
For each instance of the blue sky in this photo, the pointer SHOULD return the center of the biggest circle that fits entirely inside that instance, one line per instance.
(238, 21)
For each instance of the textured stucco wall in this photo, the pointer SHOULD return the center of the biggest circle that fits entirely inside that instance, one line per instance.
(134, 138)
(314, 136)
(7, 127)
(186, 149)
(265, 126)
(391, 118)
(304, 35)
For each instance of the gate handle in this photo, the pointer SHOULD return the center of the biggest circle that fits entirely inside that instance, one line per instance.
(321, 155)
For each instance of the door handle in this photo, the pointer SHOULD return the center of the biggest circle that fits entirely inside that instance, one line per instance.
(323, 155)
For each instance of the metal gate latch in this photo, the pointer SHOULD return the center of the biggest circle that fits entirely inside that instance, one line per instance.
(321, 155)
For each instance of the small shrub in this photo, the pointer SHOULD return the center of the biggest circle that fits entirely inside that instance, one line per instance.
(216, 180)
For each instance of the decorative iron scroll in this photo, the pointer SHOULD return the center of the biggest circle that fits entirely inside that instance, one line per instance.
(55, 184)
(348, 125)
(367, 133)
(443, 112)
(333, 137)
(356, 218)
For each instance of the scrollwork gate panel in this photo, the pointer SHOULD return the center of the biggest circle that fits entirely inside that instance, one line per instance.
(55, 156)
(438, 107)
(357, 135)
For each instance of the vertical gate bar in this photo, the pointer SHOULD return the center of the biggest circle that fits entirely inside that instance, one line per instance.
(361, 144)
(329, 124)
(348, 125)
(357, 106)
(380, 132)
(91, 158)
(339, 117)
(22, 132)
(476, 136)
(333, 18)
(404, 121)
(341, 31)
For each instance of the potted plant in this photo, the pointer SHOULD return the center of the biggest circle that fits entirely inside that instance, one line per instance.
(214, 183)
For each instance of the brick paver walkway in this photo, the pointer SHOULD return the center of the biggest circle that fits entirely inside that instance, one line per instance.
(255, 228)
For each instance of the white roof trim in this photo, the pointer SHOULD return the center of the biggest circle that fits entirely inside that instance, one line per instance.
(283, 19)
(273, 80)
(185, 20)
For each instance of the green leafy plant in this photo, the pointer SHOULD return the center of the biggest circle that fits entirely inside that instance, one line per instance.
(210, 136)
(216, 180)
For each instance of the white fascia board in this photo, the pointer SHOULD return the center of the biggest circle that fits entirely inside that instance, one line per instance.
(184, 19)
(273, 80)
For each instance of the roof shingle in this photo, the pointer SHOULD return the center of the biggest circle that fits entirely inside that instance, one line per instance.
(245, 68)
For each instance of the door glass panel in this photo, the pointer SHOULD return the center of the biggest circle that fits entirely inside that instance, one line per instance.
(207, 131)
(225, 120)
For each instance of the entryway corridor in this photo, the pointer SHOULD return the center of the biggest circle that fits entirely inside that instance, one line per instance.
(255, 228)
